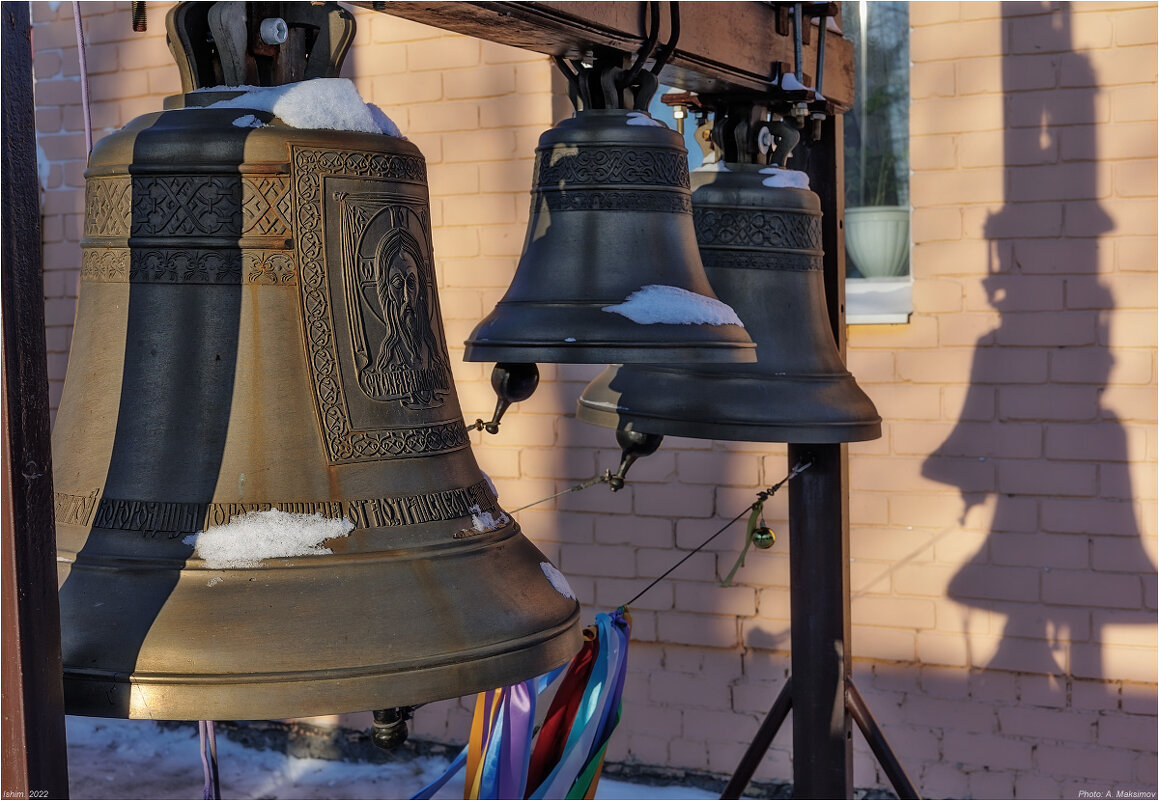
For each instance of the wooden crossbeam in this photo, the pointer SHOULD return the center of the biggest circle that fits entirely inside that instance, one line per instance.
(723, 46)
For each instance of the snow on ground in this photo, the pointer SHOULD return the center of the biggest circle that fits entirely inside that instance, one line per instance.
(134, 759)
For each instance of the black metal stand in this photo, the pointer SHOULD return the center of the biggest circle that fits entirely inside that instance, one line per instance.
(885, 756)
(761, 742)
(821, 692)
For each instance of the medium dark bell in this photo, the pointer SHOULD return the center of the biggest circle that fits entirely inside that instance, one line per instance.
(634, 444)
(762, 250)
(513, 382)
(389, 729)
(611, 214)
(764, 538)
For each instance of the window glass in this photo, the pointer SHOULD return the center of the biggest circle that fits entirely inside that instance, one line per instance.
(877, 140)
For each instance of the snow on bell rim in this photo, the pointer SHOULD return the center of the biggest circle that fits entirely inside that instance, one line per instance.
(266, 501)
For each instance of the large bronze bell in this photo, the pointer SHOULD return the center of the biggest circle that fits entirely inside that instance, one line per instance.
(611, 214)
(258, 328)
(761, 246)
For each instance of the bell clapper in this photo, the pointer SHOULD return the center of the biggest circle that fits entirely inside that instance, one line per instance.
(513, 382)
(389, 729)
(634, 444)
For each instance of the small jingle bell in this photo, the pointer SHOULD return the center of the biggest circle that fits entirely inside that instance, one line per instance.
(763, 538)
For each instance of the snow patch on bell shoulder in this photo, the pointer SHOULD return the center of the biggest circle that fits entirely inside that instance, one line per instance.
(780, 177)
(328, 104)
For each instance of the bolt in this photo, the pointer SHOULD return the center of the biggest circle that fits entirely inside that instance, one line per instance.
(274, 31)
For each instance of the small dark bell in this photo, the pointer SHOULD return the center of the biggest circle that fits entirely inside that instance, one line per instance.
(389, 729)
(764, 538)
(611, 213)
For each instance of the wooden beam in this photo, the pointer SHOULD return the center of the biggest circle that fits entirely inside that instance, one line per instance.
(34, 762)
(723, 46)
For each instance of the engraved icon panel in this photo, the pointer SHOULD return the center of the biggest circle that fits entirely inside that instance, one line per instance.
(374, 337)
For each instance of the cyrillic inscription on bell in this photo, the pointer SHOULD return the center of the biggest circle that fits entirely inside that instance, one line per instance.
(267, 505)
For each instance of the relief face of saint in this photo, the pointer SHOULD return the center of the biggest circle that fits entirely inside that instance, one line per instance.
(408, 363)
(401, 300)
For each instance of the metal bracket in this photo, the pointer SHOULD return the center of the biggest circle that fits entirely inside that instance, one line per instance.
(606, 81)
(221, 43)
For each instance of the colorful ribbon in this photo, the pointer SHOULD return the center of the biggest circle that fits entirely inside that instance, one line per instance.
(506, 759)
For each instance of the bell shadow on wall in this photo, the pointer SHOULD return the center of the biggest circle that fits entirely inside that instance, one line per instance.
(142, 426)
(1054, 561)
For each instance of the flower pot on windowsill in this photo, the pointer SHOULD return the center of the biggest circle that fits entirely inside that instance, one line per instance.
(877, 239)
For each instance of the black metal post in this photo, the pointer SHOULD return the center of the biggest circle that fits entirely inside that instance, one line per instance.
(822, 695)
(34, 762)
(819, 597)
(819, 537)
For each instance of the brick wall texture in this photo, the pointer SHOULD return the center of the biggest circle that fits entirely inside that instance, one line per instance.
(1003, 529)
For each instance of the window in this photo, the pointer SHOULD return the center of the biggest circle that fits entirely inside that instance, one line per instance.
(877, 209)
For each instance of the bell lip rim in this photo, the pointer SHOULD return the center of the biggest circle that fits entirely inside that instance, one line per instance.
(588, 353)
(763, 375)
(561, 643)
(817, 434)
(155, 679)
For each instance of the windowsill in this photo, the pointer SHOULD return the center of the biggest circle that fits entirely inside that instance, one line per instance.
(878, 301)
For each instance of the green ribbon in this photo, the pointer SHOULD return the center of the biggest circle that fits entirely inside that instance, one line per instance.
(750, 529)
